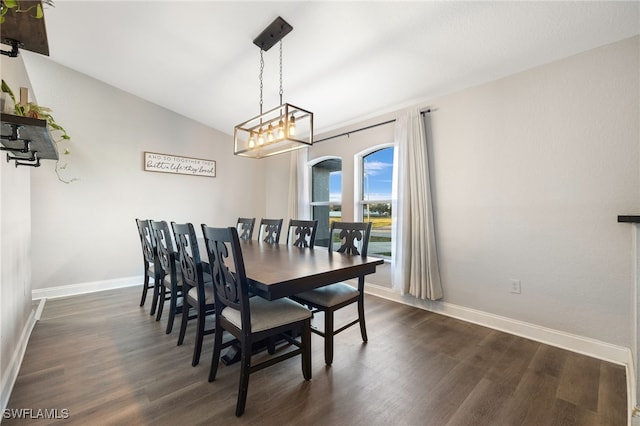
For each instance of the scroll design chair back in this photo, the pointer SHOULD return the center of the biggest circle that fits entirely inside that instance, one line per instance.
(269, 231)
(197, 288)
(152, 267)
(353, 240)
(302, 233)
(172, 282)
(250, 319)
(245, 227)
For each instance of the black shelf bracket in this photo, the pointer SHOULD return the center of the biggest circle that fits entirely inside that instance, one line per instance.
(24, 150)
(15, 133)
(15, 45)
(33, 161)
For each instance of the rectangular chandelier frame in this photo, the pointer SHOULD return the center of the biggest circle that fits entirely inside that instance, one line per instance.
(282, 129)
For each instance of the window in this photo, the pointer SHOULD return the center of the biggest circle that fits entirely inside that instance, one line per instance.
(374, 204)
(326, 196)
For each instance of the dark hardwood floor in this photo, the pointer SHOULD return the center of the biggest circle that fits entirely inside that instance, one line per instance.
(105, 360)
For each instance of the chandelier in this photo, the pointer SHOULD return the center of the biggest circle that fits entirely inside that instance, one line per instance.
(282, 129)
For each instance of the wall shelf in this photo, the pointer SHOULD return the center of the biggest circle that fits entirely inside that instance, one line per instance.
(28, 139)
(23, 30)
(629, 219)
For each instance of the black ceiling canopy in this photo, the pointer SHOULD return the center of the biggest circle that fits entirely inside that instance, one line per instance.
(272, 34)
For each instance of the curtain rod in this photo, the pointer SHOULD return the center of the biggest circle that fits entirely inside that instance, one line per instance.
(355, 131)
(365, 128)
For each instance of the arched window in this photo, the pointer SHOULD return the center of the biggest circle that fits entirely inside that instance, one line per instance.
(326, 196)
(375, 197)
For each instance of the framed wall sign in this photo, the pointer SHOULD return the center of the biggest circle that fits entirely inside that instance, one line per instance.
(164, 163)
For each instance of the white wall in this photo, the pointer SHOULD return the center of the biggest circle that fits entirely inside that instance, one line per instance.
(84, 232)
(15, 250)
(276, 188)
(529, 174)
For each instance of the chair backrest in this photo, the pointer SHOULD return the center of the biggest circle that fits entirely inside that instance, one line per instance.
(147, 241)
(244, 226)
(189, 257)
(352, 236)
(302, 233)
(269, 231)
(164, 246)
(230, 289)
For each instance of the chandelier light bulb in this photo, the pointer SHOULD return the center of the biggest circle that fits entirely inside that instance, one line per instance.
(260, 138)
(292, 126)
(270, 133)
(281, 129)
(252, 140)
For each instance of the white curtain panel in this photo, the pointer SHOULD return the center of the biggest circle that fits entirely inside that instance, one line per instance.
(298, 182)
(415, 260)
(293, 186)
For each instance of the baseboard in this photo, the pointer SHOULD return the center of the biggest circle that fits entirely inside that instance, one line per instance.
(11, 374)
(631, 389)
(82, 288)
(571, 342)
(583, 345)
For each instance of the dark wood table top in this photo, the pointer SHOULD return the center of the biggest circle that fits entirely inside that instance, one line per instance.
(278, 270)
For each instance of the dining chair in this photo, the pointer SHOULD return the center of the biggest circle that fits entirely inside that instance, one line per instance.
(301, 233)
(197, 288)
(172, 282)
(245, 227)
(353, 238)
(152, 267)
(250, 319)
(269, 231)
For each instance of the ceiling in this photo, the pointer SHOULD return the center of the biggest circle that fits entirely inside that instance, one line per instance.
(345, 61)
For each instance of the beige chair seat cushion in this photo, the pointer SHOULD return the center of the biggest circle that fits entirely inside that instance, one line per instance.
(208, 291)
(330, 295)
(167, 278)
(267, 314)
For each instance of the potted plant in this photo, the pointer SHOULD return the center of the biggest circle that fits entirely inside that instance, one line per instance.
(31, 109)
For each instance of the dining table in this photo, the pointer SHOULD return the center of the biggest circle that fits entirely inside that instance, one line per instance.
(280, 270)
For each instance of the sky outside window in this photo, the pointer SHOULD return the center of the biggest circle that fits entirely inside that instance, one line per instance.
(335, 186)
(378, 174)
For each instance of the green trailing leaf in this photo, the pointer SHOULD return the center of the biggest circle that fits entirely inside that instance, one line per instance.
(3, 12)
(6, 89)
(15, 4)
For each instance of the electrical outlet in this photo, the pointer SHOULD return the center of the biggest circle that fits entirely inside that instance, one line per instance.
(516, 287)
